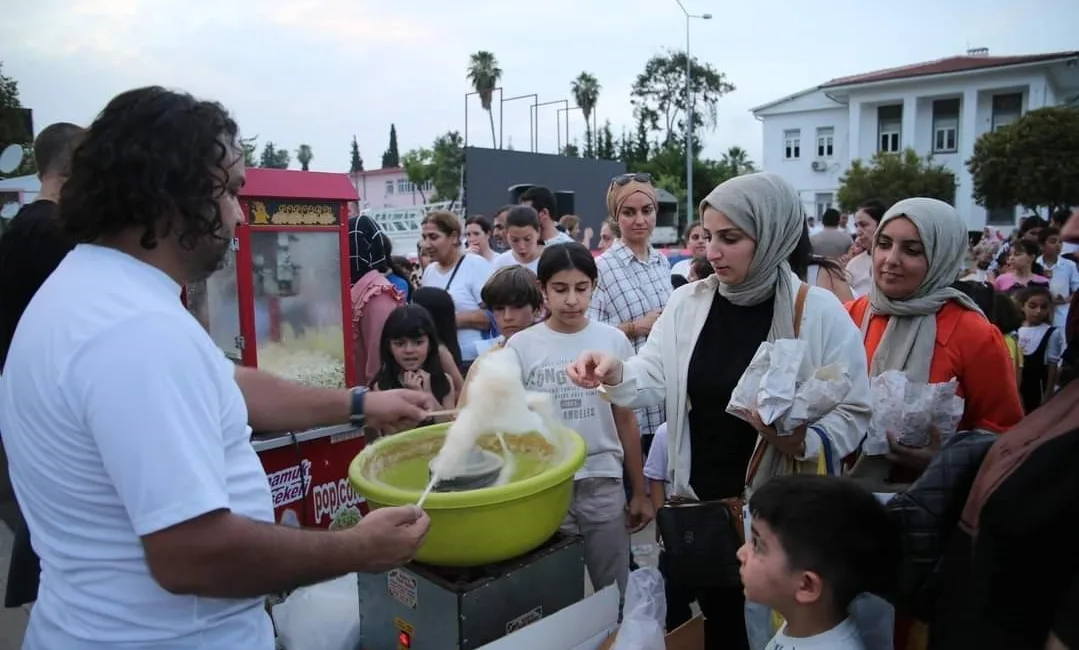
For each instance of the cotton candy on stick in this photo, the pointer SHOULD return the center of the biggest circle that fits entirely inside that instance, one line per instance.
(498, 403)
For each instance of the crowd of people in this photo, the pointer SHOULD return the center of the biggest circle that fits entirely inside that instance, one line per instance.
(160, 531)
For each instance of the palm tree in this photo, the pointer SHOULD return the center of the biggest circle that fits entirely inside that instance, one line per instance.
(737, 160)
(304, 155)
(484, 73)
(585, 90)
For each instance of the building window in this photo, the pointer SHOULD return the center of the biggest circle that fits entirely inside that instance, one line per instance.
(890, 128)
(792, 144)
(403, 186)
(945, 125)
(824, 202)
(1007, 108)
(1000, 217)
(389, 187)
(825, 142)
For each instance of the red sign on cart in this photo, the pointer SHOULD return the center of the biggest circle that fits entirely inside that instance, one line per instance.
(309, 479)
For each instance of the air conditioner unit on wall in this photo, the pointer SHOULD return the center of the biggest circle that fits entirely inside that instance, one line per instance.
(819, 166)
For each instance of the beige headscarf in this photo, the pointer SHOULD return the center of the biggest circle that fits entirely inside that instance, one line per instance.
(766, 208)
(617, 195)
(911, 334)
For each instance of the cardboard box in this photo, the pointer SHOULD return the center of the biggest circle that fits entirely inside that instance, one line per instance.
(689, 636)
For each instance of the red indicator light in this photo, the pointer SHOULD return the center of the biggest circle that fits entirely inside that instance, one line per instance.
(404, 640)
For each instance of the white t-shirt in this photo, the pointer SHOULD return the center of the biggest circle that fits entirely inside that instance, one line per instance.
(465, 291)
(559, 238)
(1031, 337)
(122, 418)
(682, 267)
(841, 637)
(544, 355)
(1064, 281)
(655, 466)
(507, 259)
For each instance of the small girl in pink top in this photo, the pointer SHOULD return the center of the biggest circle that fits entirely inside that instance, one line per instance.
(1020, 263)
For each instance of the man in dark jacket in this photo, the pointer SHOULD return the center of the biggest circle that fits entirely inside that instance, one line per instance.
(30, 250)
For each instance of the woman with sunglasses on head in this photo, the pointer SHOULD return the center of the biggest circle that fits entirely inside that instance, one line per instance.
(634, 278)
(701, 345)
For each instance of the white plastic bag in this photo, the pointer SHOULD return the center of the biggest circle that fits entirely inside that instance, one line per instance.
(909, 409)
(325, 616)
(645, 613)
(817, 396)
(780, 382)
(744, 396)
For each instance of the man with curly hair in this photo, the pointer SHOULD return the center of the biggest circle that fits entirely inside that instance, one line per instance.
(128, 430)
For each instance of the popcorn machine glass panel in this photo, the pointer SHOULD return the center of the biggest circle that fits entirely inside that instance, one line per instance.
(296, 284)
(214, 303)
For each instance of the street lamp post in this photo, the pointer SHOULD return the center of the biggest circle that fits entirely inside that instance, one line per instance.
(689, 113)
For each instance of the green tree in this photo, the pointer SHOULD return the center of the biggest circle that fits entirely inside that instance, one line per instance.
(585, 89)
(605, 149)
(484, 73)
(390, 158)
(250, 146)
(660, 99)
(274, 158)
(304, 156)
(448, 157)
(420, 169)
(356, 164)
(571, 150)
(1033, 162)
(894, 176)
(737, 161)
(13, 124)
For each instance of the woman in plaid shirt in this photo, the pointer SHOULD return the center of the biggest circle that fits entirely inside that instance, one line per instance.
(634, 278)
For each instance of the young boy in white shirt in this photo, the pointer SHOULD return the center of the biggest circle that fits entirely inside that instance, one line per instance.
(816, 543)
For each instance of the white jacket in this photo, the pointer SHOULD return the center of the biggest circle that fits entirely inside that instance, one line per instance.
(657, 374)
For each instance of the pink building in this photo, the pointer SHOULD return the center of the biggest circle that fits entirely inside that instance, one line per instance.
(389, 188)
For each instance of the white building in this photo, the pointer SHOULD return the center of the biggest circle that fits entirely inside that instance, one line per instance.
(938, 108)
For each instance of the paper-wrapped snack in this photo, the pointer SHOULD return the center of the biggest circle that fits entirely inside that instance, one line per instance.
(816, 396)
(910, 410)
(775, 395)
(744, 396)
(889, 393)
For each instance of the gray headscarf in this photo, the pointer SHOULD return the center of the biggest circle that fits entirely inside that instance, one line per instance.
(911, 334)
(766, 208)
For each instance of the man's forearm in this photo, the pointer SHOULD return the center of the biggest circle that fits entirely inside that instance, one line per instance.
(243, 558)
(275, 404)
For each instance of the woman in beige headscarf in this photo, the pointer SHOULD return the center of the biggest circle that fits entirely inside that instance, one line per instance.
(705, 338)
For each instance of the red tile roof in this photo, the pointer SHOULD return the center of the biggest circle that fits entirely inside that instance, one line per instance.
(945, 66)
(293, 184)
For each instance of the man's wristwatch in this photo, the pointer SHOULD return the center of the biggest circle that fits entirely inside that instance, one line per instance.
(356, 416)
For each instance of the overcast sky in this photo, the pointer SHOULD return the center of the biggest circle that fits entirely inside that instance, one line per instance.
(319, 71)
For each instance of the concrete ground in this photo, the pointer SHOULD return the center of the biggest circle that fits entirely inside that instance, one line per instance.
(13, 621)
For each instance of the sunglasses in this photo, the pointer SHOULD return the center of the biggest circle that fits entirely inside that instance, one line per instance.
(637, 177)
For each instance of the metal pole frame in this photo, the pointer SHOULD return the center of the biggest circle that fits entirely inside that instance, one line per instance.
(531, 127)
(476, 92)
(558, 133)
(566, 111)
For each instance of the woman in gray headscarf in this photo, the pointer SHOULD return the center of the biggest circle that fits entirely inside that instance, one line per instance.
(704, 340)
(914, 320)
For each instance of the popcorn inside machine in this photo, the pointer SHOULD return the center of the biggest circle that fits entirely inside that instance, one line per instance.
(281, 301)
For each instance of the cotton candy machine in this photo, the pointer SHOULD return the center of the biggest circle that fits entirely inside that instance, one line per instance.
(475, 527)
(493, 561)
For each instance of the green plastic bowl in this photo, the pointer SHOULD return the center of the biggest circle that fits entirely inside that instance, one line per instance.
(481, 526)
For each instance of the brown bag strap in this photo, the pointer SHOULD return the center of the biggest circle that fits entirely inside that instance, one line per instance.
(758, 453)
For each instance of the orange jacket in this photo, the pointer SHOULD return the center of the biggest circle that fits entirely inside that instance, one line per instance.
(971, 349)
